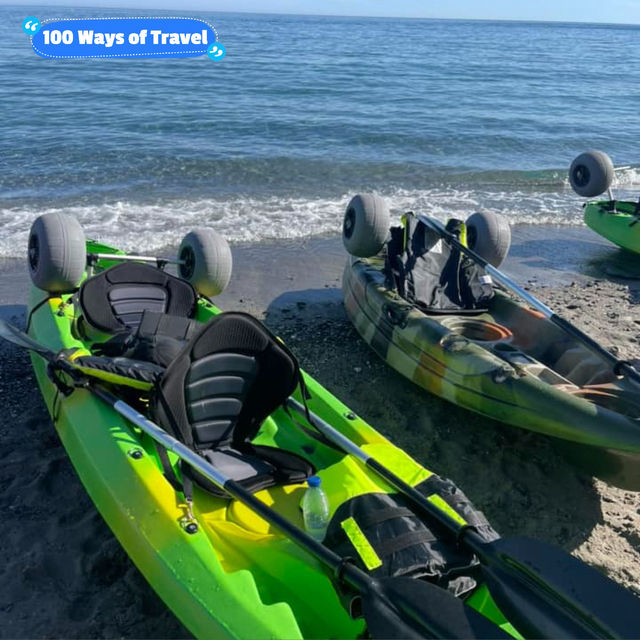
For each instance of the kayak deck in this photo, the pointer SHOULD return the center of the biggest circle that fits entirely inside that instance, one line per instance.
(236, 576)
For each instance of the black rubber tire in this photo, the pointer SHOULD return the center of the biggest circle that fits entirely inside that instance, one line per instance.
(591, 173)
(208, 261)
(489, 235)
(365, 226)
(57, 253)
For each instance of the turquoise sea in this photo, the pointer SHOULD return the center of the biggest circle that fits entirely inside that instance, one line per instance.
(440, 116)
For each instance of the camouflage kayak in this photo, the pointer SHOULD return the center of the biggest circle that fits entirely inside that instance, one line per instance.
(509, 363)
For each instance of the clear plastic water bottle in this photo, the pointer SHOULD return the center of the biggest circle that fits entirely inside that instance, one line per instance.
(315, 509)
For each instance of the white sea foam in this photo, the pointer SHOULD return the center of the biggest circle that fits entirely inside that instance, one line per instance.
(627, 177)
(245, 219)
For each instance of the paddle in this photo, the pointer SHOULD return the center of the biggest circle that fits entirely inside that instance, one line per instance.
(620, 367)
(543, 591)
(391, 607)
(21, 339)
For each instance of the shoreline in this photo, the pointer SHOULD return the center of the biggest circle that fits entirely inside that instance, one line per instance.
(65, 575)
(540, 255)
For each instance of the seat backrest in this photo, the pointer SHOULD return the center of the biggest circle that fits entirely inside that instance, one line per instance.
(115, 299)
(230, 376)
(432, 274)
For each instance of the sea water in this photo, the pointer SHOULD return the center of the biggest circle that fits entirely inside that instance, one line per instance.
(442, 117)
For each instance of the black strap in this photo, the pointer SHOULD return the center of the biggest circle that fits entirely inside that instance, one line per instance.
(177, 431)
(185, 487)
(411, 539)
(53, 373)
(169, 472)
(314, 433)
(383, 515)
(34, 309)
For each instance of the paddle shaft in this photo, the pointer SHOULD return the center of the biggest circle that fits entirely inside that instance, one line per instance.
(619, 366)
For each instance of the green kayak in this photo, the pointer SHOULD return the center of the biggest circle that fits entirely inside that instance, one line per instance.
(616, 221)
(243, 567)
(591, 174)
(236, 575)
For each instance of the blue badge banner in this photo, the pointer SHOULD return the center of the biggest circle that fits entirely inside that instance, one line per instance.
(124, 38)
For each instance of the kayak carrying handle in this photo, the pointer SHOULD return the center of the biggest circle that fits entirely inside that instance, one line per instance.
(620, 367)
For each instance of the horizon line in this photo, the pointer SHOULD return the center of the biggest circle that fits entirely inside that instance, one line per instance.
(324, 15)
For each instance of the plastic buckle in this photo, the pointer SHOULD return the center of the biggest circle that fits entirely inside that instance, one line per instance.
(189, 522)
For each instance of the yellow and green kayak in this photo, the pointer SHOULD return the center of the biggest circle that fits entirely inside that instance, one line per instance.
(236, 576)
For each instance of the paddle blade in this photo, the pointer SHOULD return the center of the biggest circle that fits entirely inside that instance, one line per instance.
(12, 334)
(546, 593)
(409, 608)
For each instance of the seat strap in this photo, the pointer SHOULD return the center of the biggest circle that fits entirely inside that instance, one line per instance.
(410, 539)
(167, 468)
(184, 485)
(314, 433)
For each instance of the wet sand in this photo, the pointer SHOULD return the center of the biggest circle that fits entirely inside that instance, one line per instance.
(63, 574)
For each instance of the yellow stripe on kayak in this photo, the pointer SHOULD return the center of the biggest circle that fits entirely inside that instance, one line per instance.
(361, 544)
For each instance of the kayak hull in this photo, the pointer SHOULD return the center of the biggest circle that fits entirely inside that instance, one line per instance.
(493, 372)
(622, 226)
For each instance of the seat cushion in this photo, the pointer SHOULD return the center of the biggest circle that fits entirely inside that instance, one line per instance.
(115, 299)
(254, 468)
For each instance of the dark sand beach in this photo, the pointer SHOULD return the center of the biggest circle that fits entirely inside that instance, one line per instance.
(63, 574)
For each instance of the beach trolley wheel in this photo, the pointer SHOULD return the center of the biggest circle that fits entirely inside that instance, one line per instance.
(366, 225)
(57, 253)
(489, 235)
(207, 261)
(591, 173)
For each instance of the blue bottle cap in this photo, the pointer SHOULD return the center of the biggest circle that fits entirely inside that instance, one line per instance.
(314, 481)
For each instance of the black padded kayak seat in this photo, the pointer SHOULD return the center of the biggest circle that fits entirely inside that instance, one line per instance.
(114, 300)
(218, 391)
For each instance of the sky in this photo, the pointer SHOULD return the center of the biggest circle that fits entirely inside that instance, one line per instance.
(613, 11)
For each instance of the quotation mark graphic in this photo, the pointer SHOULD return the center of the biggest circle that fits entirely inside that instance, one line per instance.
(216, 51)
(31, 26)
